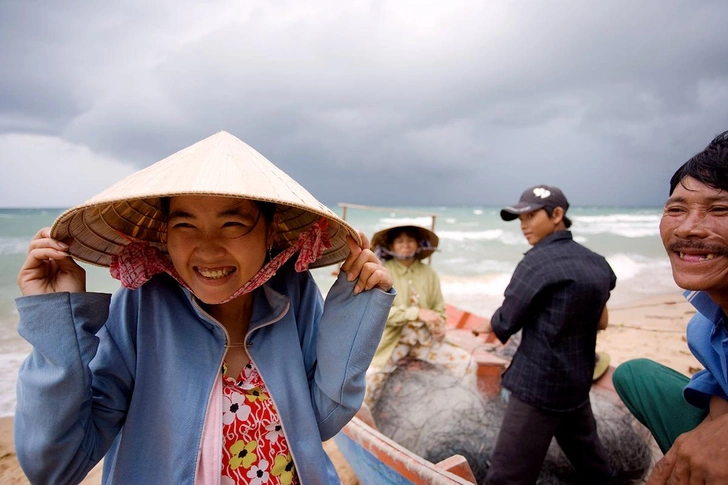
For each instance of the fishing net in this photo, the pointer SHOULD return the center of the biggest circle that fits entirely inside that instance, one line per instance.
(426, 409)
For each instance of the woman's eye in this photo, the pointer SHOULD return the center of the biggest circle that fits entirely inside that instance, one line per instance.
(234, 224)
(235, 229)
(181, 225)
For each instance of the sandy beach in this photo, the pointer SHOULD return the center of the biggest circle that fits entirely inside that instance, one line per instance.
(653, 328)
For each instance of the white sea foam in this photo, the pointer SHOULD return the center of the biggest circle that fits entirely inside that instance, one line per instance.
(488, 235)
(639, 276)
(405, 220)
(629, 266)
(628, 218)
(491, 285)
(481, 295)
(460, 266)
(13, 245)
(9, 365)
(513, 239)
(625, 225)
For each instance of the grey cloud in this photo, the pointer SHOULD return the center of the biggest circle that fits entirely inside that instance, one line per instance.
(384, 102)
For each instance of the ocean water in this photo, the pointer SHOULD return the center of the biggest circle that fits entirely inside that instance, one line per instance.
(477, 255)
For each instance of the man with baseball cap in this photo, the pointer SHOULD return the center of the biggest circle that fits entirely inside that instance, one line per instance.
(538, 197)
(557, 297)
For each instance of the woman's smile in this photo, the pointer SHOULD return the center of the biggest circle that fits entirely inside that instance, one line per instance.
(217, 244)
(215, 273)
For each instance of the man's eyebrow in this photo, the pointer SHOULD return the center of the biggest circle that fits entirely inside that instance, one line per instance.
(720, 197)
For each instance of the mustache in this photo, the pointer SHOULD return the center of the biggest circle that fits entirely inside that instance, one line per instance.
(683, 246)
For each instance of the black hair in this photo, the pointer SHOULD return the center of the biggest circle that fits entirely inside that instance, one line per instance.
(412, 232)
(550, 213)
(709, 167)
(267, 209)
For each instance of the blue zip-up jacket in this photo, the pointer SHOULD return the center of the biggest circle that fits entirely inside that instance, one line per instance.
(129, 377)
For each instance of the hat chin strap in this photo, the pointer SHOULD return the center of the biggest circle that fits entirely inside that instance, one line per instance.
(139, 261)
(382, 251)
(403, 257)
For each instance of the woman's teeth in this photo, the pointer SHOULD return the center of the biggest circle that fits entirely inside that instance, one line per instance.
(214, 274)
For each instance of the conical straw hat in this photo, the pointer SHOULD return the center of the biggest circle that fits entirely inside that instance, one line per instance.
(601, 364)
(220, 165)
(380, 239)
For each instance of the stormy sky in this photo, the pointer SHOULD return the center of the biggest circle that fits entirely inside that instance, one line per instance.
(409, 102)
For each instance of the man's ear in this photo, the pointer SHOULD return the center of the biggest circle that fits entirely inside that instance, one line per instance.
(557, 215)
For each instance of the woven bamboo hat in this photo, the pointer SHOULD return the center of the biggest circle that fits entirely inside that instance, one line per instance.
(601, 364)
(220, 165)
(426, 239)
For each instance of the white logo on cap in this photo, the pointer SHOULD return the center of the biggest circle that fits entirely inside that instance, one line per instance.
(541, 192)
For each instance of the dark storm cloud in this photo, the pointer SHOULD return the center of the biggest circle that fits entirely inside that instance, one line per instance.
(384, 102)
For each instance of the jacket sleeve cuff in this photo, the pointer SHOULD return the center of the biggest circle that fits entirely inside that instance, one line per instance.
(700, 389)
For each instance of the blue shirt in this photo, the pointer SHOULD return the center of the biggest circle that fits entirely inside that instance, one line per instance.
(708, 341)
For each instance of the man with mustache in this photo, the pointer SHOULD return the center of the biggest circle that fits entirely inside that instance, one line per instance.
(689, 417)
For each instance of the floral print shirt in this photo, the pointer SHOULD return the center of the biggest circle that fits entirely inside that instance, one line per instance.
(255, 451)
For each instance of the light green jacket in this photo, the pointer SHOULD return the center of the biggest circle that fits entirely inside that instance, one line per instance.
(424, 280)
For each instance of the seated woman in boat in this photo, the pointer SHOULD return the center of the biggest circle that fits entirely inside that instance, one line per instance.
(416, 324)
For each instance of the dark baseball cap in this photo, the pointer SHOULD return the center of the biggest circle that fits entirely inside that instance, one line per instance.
(535, 198)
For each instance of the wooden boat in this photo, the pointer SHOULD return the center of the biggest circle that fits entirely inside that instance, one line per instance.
(377, 459)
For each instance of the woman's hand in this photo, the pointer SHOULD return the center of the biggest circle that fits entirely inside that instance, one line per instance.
(430, 317)
(48, 268)
(434, 322)
(363, 264)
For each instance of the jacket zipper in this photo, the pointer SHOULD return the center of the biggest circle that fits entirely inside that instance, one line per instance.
(222, 359)
(250, 344)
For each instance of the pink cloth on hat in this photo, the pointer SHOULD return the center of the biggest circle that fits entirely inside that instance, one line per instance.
(139, 260)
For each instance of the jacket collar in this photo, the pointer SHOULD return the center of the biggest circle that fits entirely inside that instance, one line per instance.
(554, 236)
(705, 305)
(268, 306)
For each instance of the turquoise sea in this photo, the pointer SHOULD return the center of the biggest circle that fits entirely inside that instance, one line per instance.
(478, 253)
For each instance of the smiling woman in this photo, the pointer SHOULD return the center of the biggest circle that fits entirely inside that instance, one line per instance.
(201, 242)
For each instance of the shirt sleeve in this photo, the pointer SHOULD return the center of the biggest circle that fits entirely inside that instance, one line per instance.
(349, 331)
(705, 340)
(438, 304)
(701, 387)
(58, 412)
(513, 314)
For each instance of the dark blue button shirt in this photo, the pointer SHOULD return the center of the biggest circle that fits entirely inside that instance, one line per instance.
(556, 296)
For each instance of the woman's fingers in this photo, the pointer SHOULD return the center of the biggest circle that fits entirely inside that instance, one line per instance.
(354, 252)
(48, 267)
(363, 264)
(373, 275)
